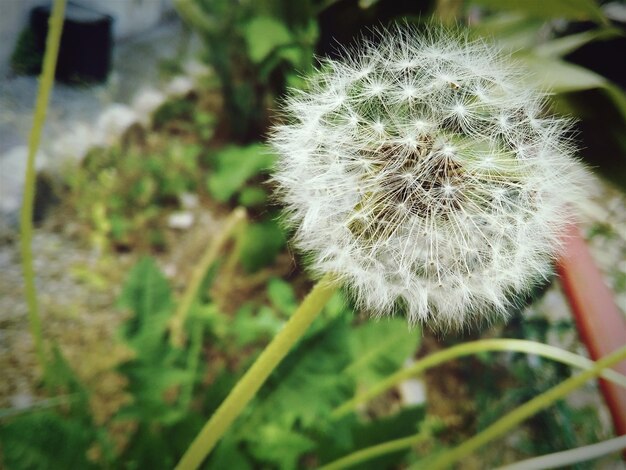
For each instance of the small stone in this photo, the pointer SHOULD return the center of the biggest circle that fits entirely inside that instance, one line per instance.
(179, 86)
(113, 122)
(12, 176)
(196, 69)
(180, 220)
(146, 102)
(413, 392)
(74, 144)
(170, 270)
(21, 401)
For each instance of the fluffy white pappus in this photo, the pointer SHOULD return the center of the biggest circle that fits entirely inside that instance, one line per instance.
(425, 173)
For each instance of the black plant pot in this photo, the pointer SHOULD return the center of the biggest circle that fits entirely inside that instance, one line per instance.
(86, 44)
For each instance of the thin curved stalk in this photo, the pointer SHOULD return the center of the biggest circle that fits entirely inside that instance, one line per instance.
(46, 81)
(254, 378)
(571, 456)
(237, 217)
(523, 412)
(372, 452)
(475, 347)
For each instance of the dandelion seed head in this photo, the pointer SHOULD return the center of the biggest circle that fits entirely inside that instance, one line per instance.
(422, 171)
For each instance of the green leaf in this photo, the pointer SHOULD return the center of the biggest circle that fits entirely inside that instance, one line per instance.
(338, 305)
(511, 31)
(279, 445)
(560, 76)
(64, 380)
(228, 455)
(563, 46)
(217, 323)
(365, 4)
(51, 439)
(150, 386)
(380, 348)
(307, 385)
(263, 35)
(252, 197)
(46, 440)
(261, 243)
(150, 447)
(366, 434)
(160, 377)
(236, 165)
(146, 292)
(282, 296)
(549, 9)
(248, 328)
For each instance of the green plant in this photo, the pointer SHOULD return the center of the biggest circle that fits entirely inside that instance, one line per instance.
(124, 194)
(233, 166)
(26, 215)
(254, 47)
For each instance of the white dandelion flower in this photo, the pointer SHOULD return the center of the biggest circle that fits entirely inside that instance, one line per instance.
(423, 172)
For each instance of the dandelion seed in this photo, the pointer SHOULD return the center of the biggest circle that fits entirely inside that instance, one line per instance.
(433, 182)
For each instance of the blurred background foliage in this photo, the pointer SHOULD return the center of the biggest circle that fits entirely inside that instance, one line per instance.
(207, 147)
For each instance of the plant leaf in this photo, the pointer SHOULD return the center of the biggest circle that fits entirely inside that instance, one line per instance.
(564, 45)
(366, 434)
(310, 374)
(281, 295)
(147, 293)
(560, 76)
(263, 35)
(234, 166)
(380, 348)
(261, 243)
(549, 9)
(279, 445)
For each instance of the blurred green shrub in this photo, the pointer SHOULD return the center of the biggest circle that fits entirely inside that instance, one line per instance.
(255, 49)
(233, 166)
(123, 194)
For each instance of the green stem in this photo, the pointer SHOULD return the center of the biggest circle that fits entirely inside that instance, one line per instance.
(195, 16)
(46, 82)
(377, 450)
(252, 380)
(571, 456)
(239, 233)
(208, 258)
(523, 412)
(474, 347)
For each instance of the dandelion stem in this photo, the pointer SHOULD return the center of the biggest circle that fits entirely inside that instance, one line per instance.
(571, 456)
(238, 234)
(210, 255)
(254, 378)
(46, 81)
(475, 347)
(525, 411)
(372, 452)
